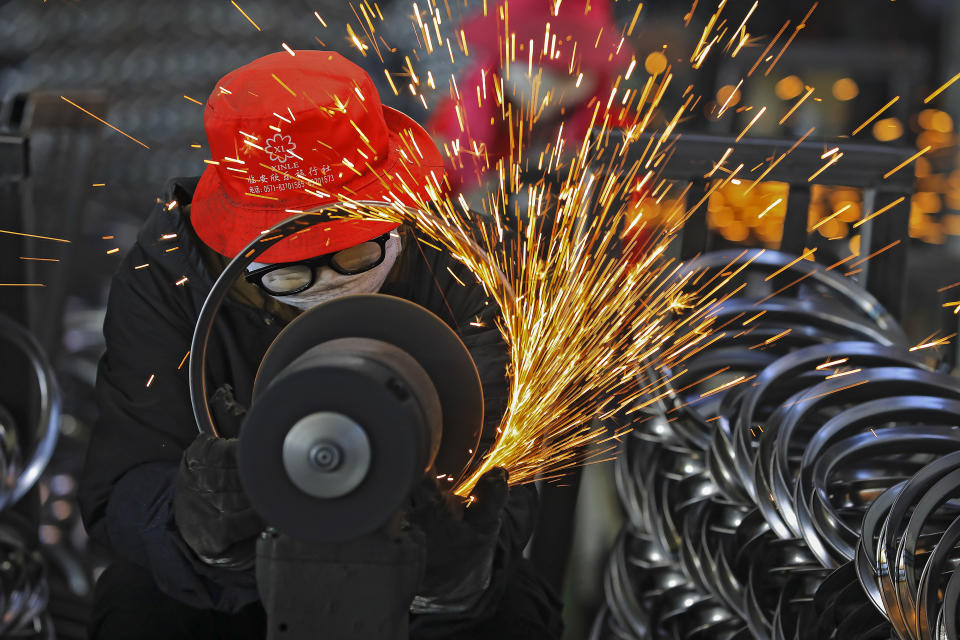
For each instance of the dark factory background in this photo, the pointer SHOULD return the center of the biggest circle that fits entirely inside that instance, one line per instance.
(147, 67)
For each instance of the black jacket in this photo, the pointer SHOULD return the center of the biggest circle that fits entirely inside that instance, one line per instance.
(146, 420)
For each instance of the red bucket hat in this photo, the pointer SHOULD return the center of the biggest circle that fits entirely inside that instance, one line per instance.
(292, 133)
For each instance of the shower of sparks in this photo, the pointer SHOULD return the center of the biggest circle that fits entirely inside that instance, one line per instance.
(249, 19)
(577, 316)
(96, 117)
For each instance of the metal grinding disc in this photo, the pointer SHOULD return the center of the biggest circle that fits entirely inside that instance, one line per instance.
(326, 454)
(284, 430)
(417, 331)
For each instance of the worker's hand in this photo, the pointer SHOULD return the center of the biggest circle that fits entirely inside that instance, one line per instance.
(461, 540)
(210, 509)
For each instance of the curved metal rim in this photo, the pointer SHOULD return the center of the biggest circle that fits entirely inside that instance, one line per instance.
(861, 299)
(220, 289)
(48, 421)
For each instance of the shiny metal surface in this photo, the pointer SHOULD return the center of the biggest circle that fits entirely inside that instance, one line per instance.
(809, 502)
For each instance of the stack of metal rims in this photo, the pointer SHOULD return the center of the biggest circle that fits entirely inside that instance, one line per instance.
(24, 454)
(796, 479)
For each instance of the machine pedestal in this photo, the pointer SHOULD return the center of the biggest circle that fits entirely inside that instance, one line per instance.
(355, 590)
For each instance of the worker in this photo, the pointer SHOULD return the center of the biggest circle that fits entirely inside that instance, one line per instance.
(287, 132)
(564, 60)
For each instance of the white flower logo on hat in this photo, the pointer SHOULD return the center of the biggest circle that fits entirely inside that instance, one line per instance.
(279, 147)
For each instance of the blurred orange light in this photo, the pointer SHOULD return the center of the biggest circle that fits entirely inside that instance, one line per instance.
(789, 88)
(845, 89)
(887, 129)
(655, 63)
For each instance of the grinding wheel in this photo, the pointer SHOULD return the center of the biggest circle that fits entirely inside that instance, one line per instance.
(417, 331)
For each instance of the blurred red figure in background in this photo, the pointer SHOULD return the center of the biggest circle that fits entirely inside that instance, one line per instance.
(534, 68)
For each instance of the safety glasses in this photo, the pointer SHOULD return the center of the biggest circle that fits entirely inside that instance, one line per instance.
(288, 278)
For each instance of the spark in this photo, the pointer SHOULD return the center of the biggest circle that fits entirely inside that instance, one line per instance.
(875, 116)
(770, 208)
(20, 284)
(841, 374)
(288, 89)
(633, 22)
(750, 125)
(99, 184)
(831, 363)
(941, 89)
(936, 343)
(948, 287)
(727, 385)
(114, 250)
(287, 48)
(879, 211)
(831, 216)
(797, 105)
(41, 259)
(834, 159)
(767, 50)
(806, 254)
(182, 362)
(729, 98)
(907, 161)
(30, 235)
(875, 253)
(181, 281)
(246, 16)
(98, 118)
(823, 395)
(773, 339)
(193, 100)
(151, 379)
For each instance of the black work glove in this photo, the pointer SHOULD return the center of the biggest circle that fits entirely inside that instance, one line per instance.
(210, 509)
(461, 540)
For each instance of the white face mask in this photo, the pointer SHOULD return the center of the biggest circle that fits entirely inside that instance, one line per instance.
(329, 284)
